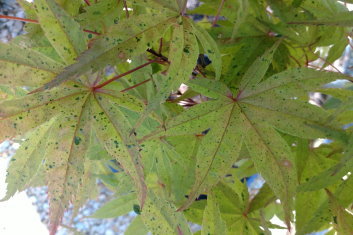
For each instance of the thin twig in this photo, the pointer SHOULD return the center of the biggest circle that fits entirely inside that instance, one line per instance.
(334, 67)
(160, 46)
(19, 19)
(36, 22)
(293, 58)
(126, 9)
(92, 32)
(136, 85)
(218, 13)
(160, 56)
(124, 74)
(88, 2)
(183, 10)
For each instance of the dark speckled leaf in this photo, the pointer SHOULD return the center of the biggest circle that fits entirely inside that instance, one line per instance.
(58, 147)
(25, 67)
(254, 119)
(63, 32)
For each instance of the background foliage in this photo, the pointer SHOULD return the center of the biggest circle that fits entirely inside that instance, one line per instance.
(87, 91)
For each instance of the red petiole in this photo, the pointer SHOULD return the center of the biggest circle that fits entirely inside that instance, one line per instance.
(136, 85)
(36, 22)
(88, 2)
(124, 74)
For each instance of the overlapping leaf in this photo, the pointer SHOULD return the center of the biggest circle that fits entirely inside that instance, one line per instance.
(60, 147)
(25, 67)
(63, 32)
(212, 220)
(255, 119)
(129, 38)
(170, 221)
(183, 55)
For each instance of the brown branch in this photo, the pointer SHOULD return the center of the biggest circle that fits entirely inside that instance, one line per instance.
(126, 10)
(218, 12)
(124, 74)
(160, 56)
(160, 46)
(136, 85)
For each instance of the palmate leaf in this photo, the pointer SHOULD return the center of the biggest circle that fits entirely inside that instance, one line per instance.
(131, 37)
(254, 119)
(59, 148)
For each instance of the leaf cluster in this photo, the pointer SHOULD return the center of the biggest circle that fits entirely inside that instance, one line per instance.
(90, 91)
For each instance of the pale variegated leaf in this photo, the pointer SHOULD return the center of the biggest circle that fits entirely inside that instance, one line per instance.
(131, 37)
(25, 67)
(63, 32)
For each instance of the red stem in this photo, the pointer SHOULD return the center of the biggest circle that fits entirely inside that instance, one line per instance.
(36, 22)
(124, 74)
(136, 85)
(92, 32)
(218, 13)
(87, 2)
(18, 18)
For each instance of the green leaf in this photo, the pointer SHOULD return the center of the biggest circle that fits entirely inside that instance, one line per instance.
(76, 111)
(343, 221)
(118, 45)
(264, 197)
(342, 19)
(183, 54)
(136, 227)
(212, 221)
(258, 69)
(116, 207)
(174, 170)
(101, 15)
(25, 67)
(331, 175)
(63, 32)
(217, 152)
(26, 162)
(169, 220)
(232, 117)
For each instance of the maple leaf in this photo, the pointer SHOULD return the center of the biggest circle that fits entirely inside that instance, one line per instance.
(254, 120)
(68, 114)
(129, 38)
